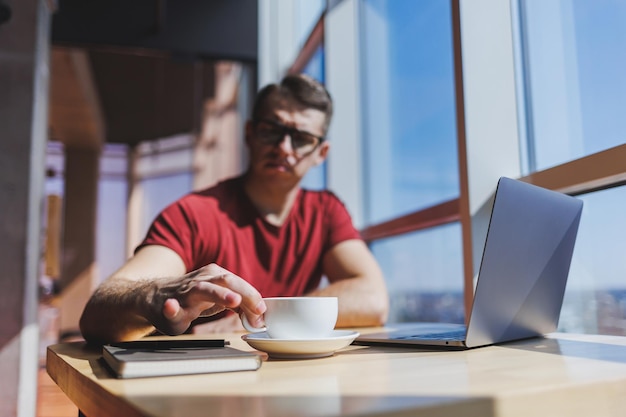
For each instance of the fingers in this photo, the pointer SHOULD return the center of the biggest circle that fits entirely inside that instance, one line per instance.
(173, 320)
(235, 292)
(239, 295)
(210, 290)
(171, 308)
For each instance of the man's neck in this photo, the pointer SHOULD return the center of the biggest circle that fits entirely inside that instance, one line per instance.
(273, 200)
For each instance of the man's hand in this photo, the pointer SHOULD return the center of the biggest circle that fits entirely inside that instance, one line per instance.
(175, 302)
(135, 301)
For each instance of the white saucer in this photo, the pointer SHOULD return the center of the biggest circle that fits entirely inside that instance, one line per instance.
(300, 349)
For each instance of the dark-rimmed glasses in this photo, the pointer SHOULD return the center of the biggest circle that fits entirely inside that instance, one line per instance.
(272, 133)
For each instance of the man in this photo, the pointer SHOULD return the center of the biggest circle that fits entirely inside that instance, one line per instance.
(258, 235)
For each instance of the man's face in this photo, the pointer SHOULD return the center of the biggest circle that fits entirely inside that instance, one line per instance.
(286, 141)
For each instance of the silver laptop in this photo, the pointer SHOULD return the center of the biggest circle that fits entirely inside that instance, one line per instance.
(522, 276)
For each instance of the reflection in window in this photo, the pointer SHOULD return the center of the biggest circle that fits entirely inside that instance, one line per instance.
(576, 88)
(424, 274)
(409, 106)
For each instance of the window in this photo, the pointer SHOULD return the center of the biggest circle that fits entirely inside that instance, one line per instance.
(595, 300)
(424, 274)
(315, 179)
(159, 192)
(548, 110)
(409, 118)
(575, 96)
(307, 14)
(111, 216)
(411, 159)
(310, 61)
(163, 174)
(110, 235)
(575, 59)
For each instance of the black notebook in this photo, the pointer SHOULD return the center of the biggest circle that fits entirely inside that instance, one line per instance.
(148, 358)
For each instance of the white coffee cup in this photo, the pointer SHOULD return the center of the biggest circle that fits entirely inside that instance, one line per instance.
(297, 317)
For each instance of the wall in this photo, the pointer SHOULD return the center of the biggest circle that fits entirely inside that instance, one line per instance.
(24, 76)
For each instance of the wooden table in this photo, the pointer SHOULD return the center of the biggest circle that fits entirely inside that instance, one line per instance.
(560, 375)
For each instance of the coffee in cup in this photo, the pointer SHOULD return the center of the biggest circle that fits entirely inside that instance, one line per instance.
(298, 317)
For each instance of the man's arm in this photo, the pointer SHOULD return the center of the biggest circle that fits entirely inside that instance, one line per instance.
(151, 291)
(357, 280)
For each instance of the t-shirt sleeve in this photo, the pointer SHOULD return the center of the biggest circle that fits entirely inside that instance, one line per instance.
(340, 227)
(173, 229)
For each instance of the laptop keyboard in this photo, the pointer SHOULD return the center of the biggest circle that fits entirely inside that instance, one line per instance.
(455, 335)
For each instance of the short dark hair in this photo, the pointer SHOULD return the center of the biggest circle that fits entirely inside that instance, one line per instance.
(304, 89)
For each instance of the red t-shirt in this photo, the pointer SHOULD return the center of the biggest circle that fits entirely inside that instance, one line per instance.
(221, 225)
